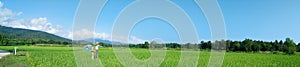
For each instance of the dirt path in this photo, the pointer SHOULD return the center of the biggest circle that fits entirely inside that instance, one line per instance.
(3, 53)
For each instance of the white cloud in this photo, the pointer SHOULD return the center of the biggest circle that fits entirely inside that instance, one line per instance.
(1, 4)
(7, 18)
(86, 34)
(82, 34)
(102, 36)
(134, 39)
(41, 24)
(7, 14)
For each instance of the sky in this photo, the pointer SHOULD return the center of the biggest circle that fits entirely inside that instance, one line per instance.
(266, 20)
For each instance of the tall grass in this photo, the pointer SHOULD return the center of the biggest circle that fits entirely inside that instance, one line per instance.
(64, 57)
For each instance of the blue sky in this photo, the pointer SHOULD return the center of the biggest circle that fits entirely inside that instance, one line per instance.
(256, 19)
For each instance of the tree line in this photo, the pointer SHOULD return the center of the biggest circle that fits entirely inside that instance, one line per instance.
(5, 41)
(248, 45)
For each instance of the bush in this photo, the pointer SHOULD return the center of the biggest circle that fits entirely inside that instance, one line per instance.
(275, 52)
(289, 47)
(21, 53)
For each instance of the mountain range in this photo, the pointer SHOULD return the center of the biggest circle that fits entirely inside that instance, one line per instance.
(35, 35)
(103, 41)
(26, 34)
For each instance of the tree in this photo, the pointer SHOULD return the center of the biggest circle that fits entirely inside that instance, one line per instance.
(237, 46)
(145, 45)
(298, 48)
(201, 44)
(256, 47)
(228, 45)
(209, 45)
(205, 45)
(173, 45)
(188, 46)
(276, 45)
(65, 43)
(3, 40)
(219, 45)
(281, 45)
(289, 46)
(247, 44)
(269, 47)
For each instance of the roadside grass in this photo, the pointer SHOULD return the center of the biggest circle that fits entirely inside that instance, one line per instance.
(14, 61)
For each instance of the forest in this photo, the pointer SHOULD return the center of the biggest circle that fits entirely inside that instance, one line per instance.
(16, 36)
(5, 41)
(248, 45)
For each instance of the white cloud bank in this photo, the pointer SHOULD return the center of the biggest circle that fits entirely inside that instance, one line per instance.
(1, 4)
(7, 18)
(40, 23)
(86, 34)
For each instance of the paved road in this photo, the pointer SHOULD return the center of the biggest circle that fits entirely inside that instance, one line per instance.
(3, 53)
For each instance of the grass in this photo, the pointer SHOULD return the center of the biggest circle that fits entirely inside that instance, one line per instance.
(64, 57)
(43, 56)
(14, 61)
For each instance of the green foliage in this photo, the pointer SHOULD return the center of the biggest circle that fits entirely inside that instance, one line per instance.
(16, 36)
(104, 45)
(289, 46)
(256, 47)
(237, 46)
(281, 45)
(40, 57)
(276, 45)
(144, 45)
(14, 61)
(205, 45)
(247, 44)
(298, 47)
(173, 45)
(3, 40)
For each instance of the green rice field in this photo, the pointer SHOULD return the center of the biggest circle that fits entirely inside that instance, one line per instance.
(36, 56)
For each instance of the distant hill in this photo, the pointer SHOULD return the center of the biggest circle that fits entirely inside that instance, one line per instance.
(30, 35)
(103, 41)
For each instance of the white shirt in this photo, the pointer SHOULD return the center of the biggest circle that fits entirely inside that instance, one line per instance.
(97, 47)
